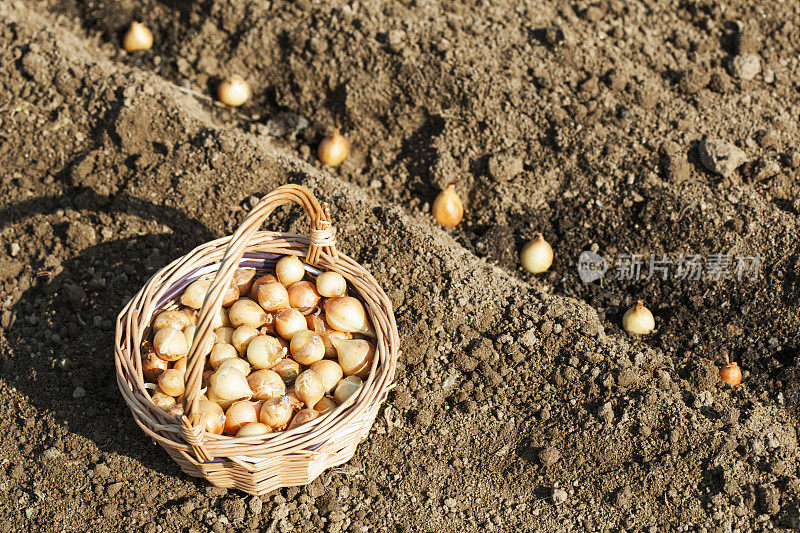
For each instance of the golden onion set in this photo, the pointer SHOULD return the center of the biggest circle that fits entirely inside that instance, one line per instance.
(234, 91)
(287, 350)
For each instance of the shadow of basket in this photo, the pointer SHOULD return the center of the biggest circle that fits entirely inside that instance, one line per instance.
(59, 331)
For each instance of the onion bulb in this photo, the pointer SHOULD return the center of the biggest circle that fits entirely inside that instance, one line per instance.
(171, 382)
(243, 279)
(264, 351)
(266, 278)
(448, 210)
(316, 321)
(289, 269)
(174, 318)
(287, 369)
(242, 336)
(254, 429)
(308, 387)
(288, 322)
(355, 356)
(239, 414)
(345, 313)
(273, 296)
(638, 320)
(330, 284)
(246, 311)
(162, 401)
(326, 405)
(138, 37)
(307, 347)
(329, 372)
(327, 340)
(302, 417)
(233, 91)
(221, 352)
(346, 388)
(333, 150)
(228, 385)
(276, 412)
(224, 334)
(153, 366)
(239, 364)
(536, 256)
(266, 384)
(731, 374)
(214, 416)
(180, 365)
(170, 344)
(303, 295)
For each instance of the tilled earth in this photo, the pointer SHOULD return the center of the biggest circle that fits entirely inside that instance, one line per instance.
(520, 403)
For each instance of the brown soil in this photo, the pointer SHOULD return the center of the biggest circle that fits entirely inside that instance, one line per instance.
(520, 402)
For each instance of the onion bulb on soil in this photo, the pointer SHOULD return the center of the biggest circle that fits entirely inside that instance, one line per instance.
(330, 284)
(638, 320)
(233, 91)
(333, 150)
(302, 417)
(731, 374)
(138, 37)
(346, 388)
(536, 256)
(448, 210)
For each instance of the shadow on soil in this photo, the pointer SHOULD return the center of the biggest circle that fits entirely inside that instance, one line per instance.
(62, 330)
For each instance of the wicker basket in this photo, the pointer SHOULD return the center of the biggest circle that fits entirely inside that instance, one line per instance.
(256, 465)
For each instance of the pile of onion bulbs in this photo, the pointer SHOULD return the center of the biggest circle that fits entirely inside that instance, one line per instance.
(287, 349)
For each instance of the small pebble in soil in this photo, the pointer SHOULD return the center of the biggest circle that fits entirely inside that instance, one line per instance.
(14, 249)
(721, 157)
(745, 66)
(559, 496)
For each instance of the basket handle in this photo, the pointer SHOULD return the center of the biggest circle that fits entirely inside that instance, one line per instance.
(321, 239)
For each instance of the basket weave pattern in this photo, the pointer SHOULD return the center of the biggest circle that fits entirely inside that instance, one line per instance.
(256, 465)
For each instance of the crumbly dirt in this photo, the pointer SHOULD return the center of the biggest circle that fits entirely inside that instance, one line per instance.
(520, 403)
